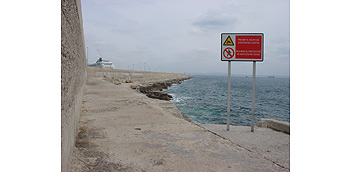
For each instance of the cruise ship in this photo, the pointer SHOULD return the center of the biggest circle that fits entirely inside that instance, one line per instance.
(100, 63)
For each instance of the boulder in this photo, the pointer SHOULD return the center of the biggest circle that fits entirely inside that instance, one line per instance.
(159, 95)
(275, 125)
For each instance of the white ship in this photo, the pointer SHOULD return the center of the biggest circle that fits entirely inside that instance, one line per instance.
(100, 63)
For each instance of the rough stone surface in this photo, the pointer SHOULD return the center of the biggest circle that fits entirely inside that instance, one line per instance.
(153, 90)
(73, 76)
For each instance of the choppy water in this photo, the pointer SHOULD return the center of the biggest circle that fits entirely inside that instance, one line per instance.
(204, 99)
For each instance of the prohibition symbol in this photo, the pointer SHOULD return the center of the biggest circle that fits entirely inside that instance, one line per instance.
(228, 53)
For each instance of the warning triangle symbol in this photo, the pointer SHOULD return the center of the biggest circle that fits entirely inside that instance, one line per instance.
(228, 41)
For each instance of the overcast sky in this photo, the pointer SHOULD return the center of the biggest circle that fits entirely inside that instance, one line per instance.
(183, 36)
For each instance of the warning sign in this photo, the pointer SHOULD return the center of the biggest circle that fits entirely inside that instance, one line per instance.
(242, 47)
(228, 41)
(249, 47)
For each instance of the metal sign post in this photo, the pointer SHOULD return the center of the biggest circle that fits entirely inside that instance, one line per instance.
(228, 94)
(253, 97)
(241, 47)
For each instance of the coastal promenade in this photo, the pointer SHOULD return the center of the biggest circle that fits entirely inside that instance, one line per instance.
(122, 129)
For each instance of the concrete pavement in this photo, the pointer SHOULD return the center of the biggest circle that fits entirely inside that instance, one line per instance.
(271, 145)
(124, 130)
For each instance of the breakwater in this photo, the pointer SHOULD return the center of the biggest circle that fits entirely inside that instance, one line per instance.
(154, 90)
(148, 83)
(124, 130)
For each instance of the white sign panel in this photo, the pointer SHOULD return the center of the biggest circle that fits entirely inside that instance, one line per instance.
(242, 47)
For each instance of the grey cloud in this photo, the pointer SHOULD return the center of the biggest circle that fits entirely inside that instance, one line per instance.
(94, 40)
(127, 26)
(214, 19)
(283, 50)
(195, 55)
(122, 26)
(141, 50)
(99, 46)
(281, 47)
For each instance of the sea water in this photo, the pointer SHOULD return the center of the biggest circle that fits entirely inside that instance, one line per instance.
(204, 99)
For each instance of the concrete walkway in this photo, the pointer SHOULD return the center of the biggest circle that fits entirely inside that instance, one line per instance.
(271, 145)
(123, 130)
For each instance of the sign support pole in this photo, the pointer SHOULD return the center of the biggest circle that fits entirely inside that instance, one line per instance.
(228, 95)
(238, 47)
(253, 96)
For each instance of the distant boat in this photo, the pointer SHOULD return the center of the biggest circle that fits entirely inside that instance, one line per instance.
(100, 63)
(272, 76)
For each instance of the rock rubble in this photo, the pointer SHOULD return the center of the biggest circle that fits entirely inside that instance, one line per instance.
(154, 90)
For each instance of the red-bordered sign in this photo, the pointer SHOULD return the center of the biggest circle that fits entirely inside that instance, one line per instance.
(247, 46)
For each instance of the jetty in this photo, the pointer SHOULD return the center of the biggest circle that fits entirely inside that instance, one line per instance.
(122, 129)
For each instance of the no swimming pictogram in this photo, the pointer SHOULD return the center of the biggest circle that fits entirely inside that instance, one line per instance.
(228, 53)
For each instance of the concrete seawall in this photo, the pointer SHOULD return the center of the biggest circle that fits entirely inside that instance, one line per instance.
(73, 76)
(122, 129)
(275, 125)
